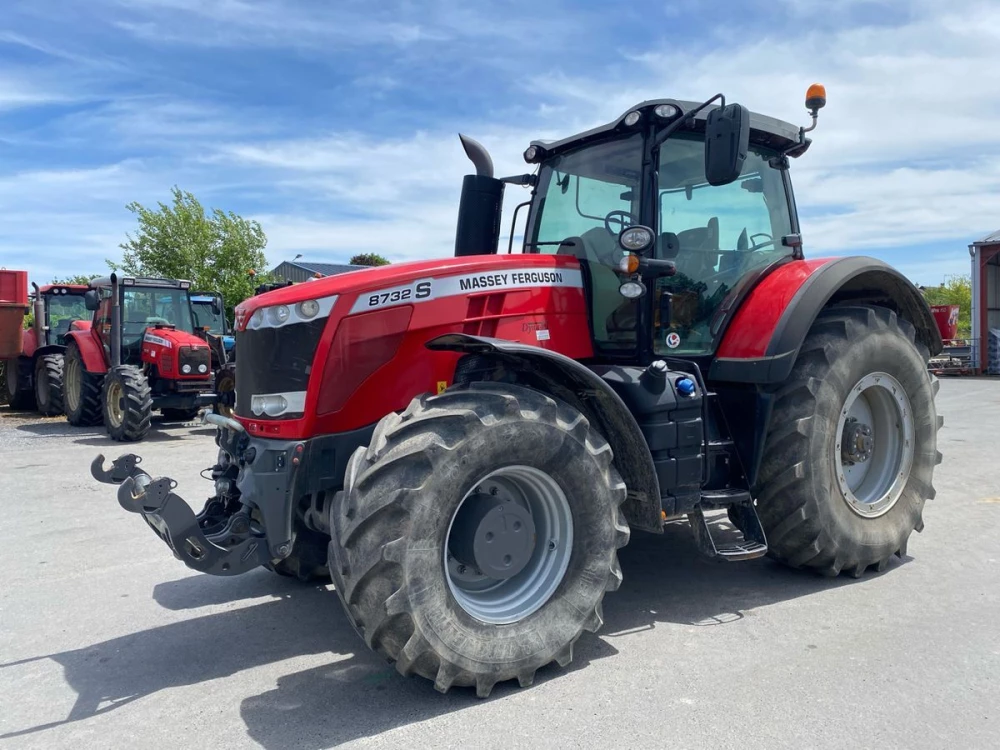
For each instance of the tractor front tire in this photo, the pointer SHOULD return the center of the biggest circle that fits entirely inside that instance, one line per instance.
(49, 384)
(852, 445)
(128, 404)
(17, 379)
(462, 460)
(82, 399)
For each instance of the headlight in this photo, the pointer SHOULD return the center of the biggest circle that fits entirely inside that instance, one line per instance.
(276, 316)
(186, 369)
(632, 118)
(276, 404)
(631, 290)
(635, 239)
(666, 111)
(309, 308)
(202, 368)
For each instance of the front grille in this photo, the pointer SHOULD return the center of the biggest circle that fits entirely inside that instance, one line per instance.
(188, 355)
(274, 360)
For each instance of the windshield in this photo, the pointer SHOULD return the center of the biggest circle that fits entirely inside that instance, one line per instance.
(205, 317)
(587, 196)
(63, 309)
(715, 235)
(142, 308)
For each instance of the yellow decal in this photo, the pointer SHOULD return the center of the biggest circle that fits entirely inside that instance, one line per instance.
(442, 386)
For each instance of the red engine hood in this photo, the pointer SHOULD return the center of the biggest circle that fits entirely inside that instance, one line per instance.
(173, 338)
(352, 282)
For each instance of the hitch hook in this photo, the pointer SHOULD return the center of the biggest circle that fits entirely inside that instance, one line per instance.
(121, 469)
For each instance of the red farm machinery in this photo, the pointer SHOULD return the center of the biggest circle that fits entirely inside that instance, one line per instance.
(464, 444)
(141, 353)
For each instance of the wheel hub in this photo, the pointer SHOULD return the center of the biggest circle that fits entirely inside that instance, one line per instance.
(509, 544)
(494, 536)
(856, 442)
(875, 444)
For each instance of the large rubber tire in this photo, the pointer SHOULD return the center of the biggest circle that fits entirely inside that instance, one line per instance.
(49, 384)
(391, 522)
(82, 391)
(180, 415)
(18, 383)
(225, 387)
(128, 404)
(806, 516)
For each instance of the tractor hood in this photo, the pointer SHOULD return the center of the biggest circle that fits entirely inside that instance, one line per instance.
(170, 338)
(378, 278)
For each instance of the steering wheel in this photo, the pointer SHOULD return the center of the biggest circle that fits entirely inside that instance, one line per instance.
(755, 246)
(621, 217)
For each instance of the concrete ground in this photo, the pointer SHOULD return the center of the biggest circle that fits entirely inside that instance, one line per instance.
(107, 641)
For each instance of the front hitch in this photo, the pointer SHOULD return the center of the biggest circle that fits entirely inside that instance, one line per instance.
(230, 550)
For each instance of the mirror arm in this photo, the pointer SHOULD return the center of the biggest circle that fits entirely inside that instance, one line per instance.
(685, 118)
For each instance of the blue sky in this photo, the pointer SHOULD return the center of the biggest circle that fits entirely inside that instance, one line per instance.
(334, 122)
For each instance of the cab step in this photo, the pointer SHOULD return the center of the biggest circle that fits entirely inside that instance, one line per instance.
(744, 516)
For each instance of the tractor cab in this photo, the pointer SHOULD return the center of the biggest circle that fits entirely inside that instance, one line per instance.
(705, 192)
(57, 308)
(146, 305)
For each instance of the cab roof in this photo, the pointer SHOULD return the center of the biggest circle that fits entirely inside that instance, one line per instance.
(764, 131)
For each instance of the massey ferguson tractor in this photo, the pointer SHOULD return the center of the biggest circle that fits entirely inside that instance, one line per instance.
(35, 378)
(140, 354)
(465, 444)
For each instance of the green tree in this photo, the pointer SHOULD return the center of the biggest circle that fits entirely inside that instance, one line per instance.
(956, 290)
(79, 278)
(215, 251)
(369, 259)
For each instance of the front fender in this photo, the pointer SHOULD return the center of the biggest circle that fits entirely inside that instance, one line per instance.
(764, 338)
(90, 350)
(569, 381)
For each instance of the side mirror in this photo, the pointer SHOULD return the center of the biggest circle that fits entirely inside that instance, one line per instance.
(727, 140)
(216, 306)
(91, 300)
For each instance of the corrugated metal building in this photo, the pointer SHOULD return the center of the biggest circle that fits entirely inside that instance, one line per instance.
(300, 270)
(986, 302)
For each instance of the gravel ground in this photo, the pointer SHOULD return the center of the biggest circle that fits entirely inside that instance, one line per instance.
(106, 640)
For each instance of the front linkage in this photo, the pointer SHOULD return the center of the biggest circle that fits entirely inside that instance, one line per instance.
(209, 542)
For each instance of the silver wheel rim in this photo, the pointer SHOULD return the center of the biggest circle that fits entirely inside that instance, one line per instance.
(499, 602)
(874, 447)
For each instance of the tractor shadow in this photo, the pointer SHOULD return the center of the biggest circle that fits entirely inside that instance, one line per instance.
(160, 431)
(354, 693)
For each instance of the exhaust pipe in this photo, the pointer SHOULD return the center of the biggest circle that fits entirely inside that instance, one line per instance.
(478, 229)
(39, 323)
(116, 323)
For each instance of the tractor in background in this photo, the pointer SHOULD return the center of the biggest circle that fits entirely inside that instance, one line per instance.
(140, 354)
(34, 380)
(209, 312)
(464, 444)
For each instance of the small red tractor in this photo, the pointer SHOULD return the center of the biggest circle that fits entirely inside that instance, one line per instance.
(141, 353)
(34, 379)
(465, 444)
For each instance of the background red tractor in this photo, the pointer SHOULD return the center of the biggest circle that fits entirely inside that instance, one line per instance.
(465, 444)
(34, 379)
(140, 354)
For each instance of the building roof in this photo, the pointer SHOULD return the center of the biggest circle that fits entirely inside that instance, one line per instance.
(991, 239)
(327, 269)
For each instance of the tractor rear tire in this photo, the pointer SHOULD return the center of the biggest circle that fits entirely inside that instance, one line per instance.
(832, 497)
(392, 550)
(49, 384)
(128, 404)
(19, 394)
(180, 415)
(82, 390)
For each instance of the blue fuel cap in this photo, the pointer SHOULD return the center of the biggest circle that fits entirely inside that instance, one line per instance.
(685, 386)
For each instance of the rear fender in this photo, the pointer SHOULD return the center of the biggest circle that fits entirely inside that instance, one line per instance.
(764, 338)
(566, 379)
(90, 349)
(50, 349)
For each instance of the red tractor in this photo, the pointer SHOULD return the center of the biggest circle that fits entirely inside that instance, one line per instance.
(140, 354)
(465, 444)
(34, 379)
